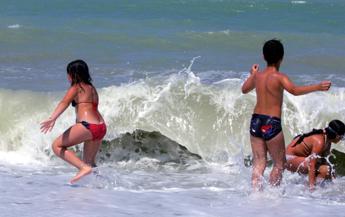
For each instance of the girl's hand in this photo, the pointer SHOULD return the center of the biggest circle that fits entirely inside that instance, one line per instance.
(47, 125)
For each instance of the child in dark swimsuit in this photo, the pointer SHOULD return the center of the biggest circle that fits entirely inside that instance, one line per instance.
(265, 129)
(90, 127)
(307, 153)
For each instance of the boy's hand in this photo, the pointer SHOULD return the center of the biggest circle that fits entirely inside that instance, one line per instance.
(254, 69)
(325, 85)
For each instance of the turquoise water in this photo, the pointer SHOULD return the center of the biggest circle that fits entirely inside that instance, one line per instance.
(169, 66)
(128, 40)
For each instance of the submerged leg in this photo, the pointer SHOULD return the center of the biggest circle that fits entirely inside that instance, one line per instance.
(276, 148)
(90, 151)
(297, 164)
(259, 151)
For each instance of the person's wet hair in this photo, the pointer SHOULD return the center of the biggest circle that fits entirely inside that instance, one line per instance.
(335, 128)
(273, 51)
(79, 72)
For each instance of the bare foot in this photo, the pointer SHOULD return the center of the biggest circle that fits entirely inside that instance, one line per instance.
(85, 170)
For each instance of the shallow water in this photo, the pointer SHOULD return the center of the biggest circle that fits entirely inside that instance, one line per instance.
(205, 118)
(171, 66)
(113, 191)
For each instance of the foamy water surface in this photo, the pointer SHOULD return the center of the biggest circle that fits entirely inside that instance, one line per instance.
(170, 66)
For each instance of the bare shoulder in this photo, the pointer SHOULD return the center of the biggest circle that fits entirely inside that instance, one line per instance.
(73, 89)
(275, 78)
(280, 75)
(283, 79)
(85, 88)
(318, 140)
(70, 94)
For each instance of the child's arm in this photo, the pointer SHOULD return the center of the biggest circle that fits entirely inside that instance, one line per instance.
(316, 151)
(249, 84)
(64, 103)
(48, 124)
(311, 173)
(300, 90)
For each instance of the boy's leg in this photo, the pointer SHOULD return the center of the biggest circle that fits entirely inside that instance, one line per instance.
(259, 151)
(276, 148)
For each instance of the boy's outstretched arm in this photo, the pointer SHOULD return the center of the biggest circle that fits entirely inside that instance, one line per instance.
(249, 84)
(300, 90)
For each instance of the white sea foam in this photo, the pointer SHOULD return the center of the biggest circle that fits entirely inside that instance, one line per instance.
(198, 109)
(14, 26)
(159, 193)
(298, 2)
(210, 120)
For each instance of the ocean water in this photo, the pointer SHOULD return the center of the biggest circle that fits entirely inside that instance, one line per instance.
(169, 66)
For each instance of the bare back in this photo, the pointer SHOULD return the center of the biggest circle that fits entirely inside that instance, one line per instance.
(269, 93)
(312, 144)
(87, 103)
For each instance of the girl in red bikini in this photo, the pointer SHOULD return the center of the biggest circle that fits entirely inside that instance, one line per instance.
(90, 127)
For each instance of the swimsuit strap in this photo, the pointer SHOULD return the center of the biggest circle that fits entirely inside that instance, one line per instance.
(83, 102)
(305, 135)
(94, 104)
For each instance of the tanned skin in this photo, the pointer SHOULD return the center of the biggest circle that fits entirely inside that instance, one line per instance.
(269, 85)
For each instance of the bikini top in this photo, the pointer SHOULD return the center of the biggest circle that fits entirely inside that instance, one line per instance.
(303, 136)
(94, 104)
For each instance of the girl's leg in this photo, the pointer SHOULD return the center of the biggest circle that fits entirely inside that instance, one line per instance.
(297, 164)
(73, 136)
(259, 151)
(90, 151)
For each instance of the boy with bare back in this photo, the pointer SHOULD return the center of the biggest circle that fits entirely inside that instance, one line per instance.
(265, 127)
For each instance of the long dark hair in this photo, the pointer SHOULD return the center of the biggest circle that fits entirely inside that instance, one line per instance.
(335, 127)
(79, 72)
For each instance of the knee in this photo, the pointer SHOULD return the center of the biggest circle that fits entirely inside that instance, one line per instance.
(56, 146)
(325, 171)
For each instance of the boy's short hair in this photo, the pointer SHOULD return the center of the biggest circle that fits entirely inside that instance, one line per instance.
(273, 51)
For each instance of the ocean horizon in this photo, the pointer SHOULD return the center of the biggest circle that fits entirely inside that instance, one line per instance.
(175, 67)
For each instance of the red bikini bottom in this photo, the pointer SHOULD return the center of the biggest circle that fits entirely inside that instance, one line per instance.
(98, 131)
